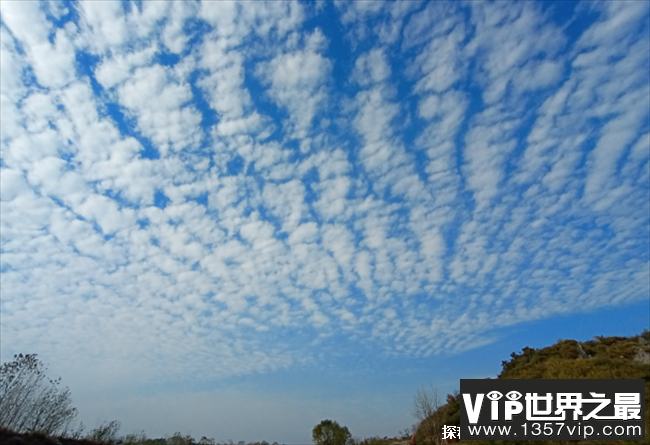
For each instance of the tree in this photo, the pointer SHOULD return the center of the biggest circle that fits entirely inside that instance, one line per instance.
(179, 439)
(106, 432)
(135, 438)
(426, 405)
(29, 401)
(329, 432)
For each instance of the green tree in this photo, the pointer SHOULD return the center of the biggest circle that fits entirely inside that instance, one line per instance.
(29, 401)
(329, 432)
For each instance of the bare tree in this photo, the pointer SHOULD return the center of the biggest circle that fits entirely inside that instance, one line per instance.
(28, 403)
(106, 432)
(426, 404)
(74, 432)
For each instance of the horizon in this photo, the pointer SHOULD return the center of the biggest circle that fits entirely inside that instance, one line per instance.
(238, 219)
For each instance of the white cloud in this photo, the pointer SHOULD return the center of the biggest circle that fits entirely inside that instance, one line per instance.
(173, 36)
(487, 147)
(13, 184)
(306, 232)
(143, 18)
(225, 83)
(50, 173)
(53, 64)
(226, 92)
(20, 18)
(536, 75)
(105, 22)
(286, 201)
(160, 104)
(297, 81)
(332, 200)
(618, 134)
(371, 67)
(115, 70)
(11, 86)
(441, 63)
(374, 122)
(509, 38)
(234, 21)
(434, 20)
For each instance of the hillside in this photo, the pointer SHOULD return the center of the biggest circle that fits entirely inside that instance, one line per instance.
(601, 358)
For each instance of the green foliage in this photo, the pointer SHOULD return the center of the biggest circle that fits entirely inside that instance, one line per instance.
(29, 401)
(329, 432)
(609, 358)
(606, 358)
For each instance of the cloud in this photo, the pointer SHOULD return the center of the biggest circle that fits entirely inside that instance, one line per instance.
(106, 23)
(245, 183)
(52, 62)
(442, 63)
(296, 81)
(119, 68)
(371, 67)
(13, 184)
(505, 40)
(160, 104)
(235, 21)
(173, 36)
(286, 201)
(487, 147)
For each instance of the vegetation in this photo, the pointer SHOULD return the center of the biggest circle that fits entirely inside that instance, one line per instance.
(429, 431)
(33, 409)
(106, 432)
(601, 358)
(426, 405)
(8, 437)
(376, 440)
(31, 403)
(329, 432)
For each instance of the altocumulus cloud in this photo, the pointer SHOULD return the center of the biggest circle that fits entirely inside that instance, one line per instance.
(210, 189)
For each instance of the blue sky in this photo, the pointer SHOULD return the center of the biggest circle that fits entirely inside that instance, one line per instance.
(239, 219)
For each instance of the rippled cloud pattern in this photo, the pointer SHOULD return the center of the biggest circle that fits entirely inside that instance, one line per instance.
(215, 188)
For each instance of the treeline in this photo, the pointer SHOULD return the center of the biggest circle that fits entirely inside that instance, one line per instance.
(601, 358)
(9, 437)
(178, 439)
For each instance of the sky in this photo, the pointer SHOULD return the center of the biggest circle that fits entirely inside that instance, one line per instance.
(239, 219)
